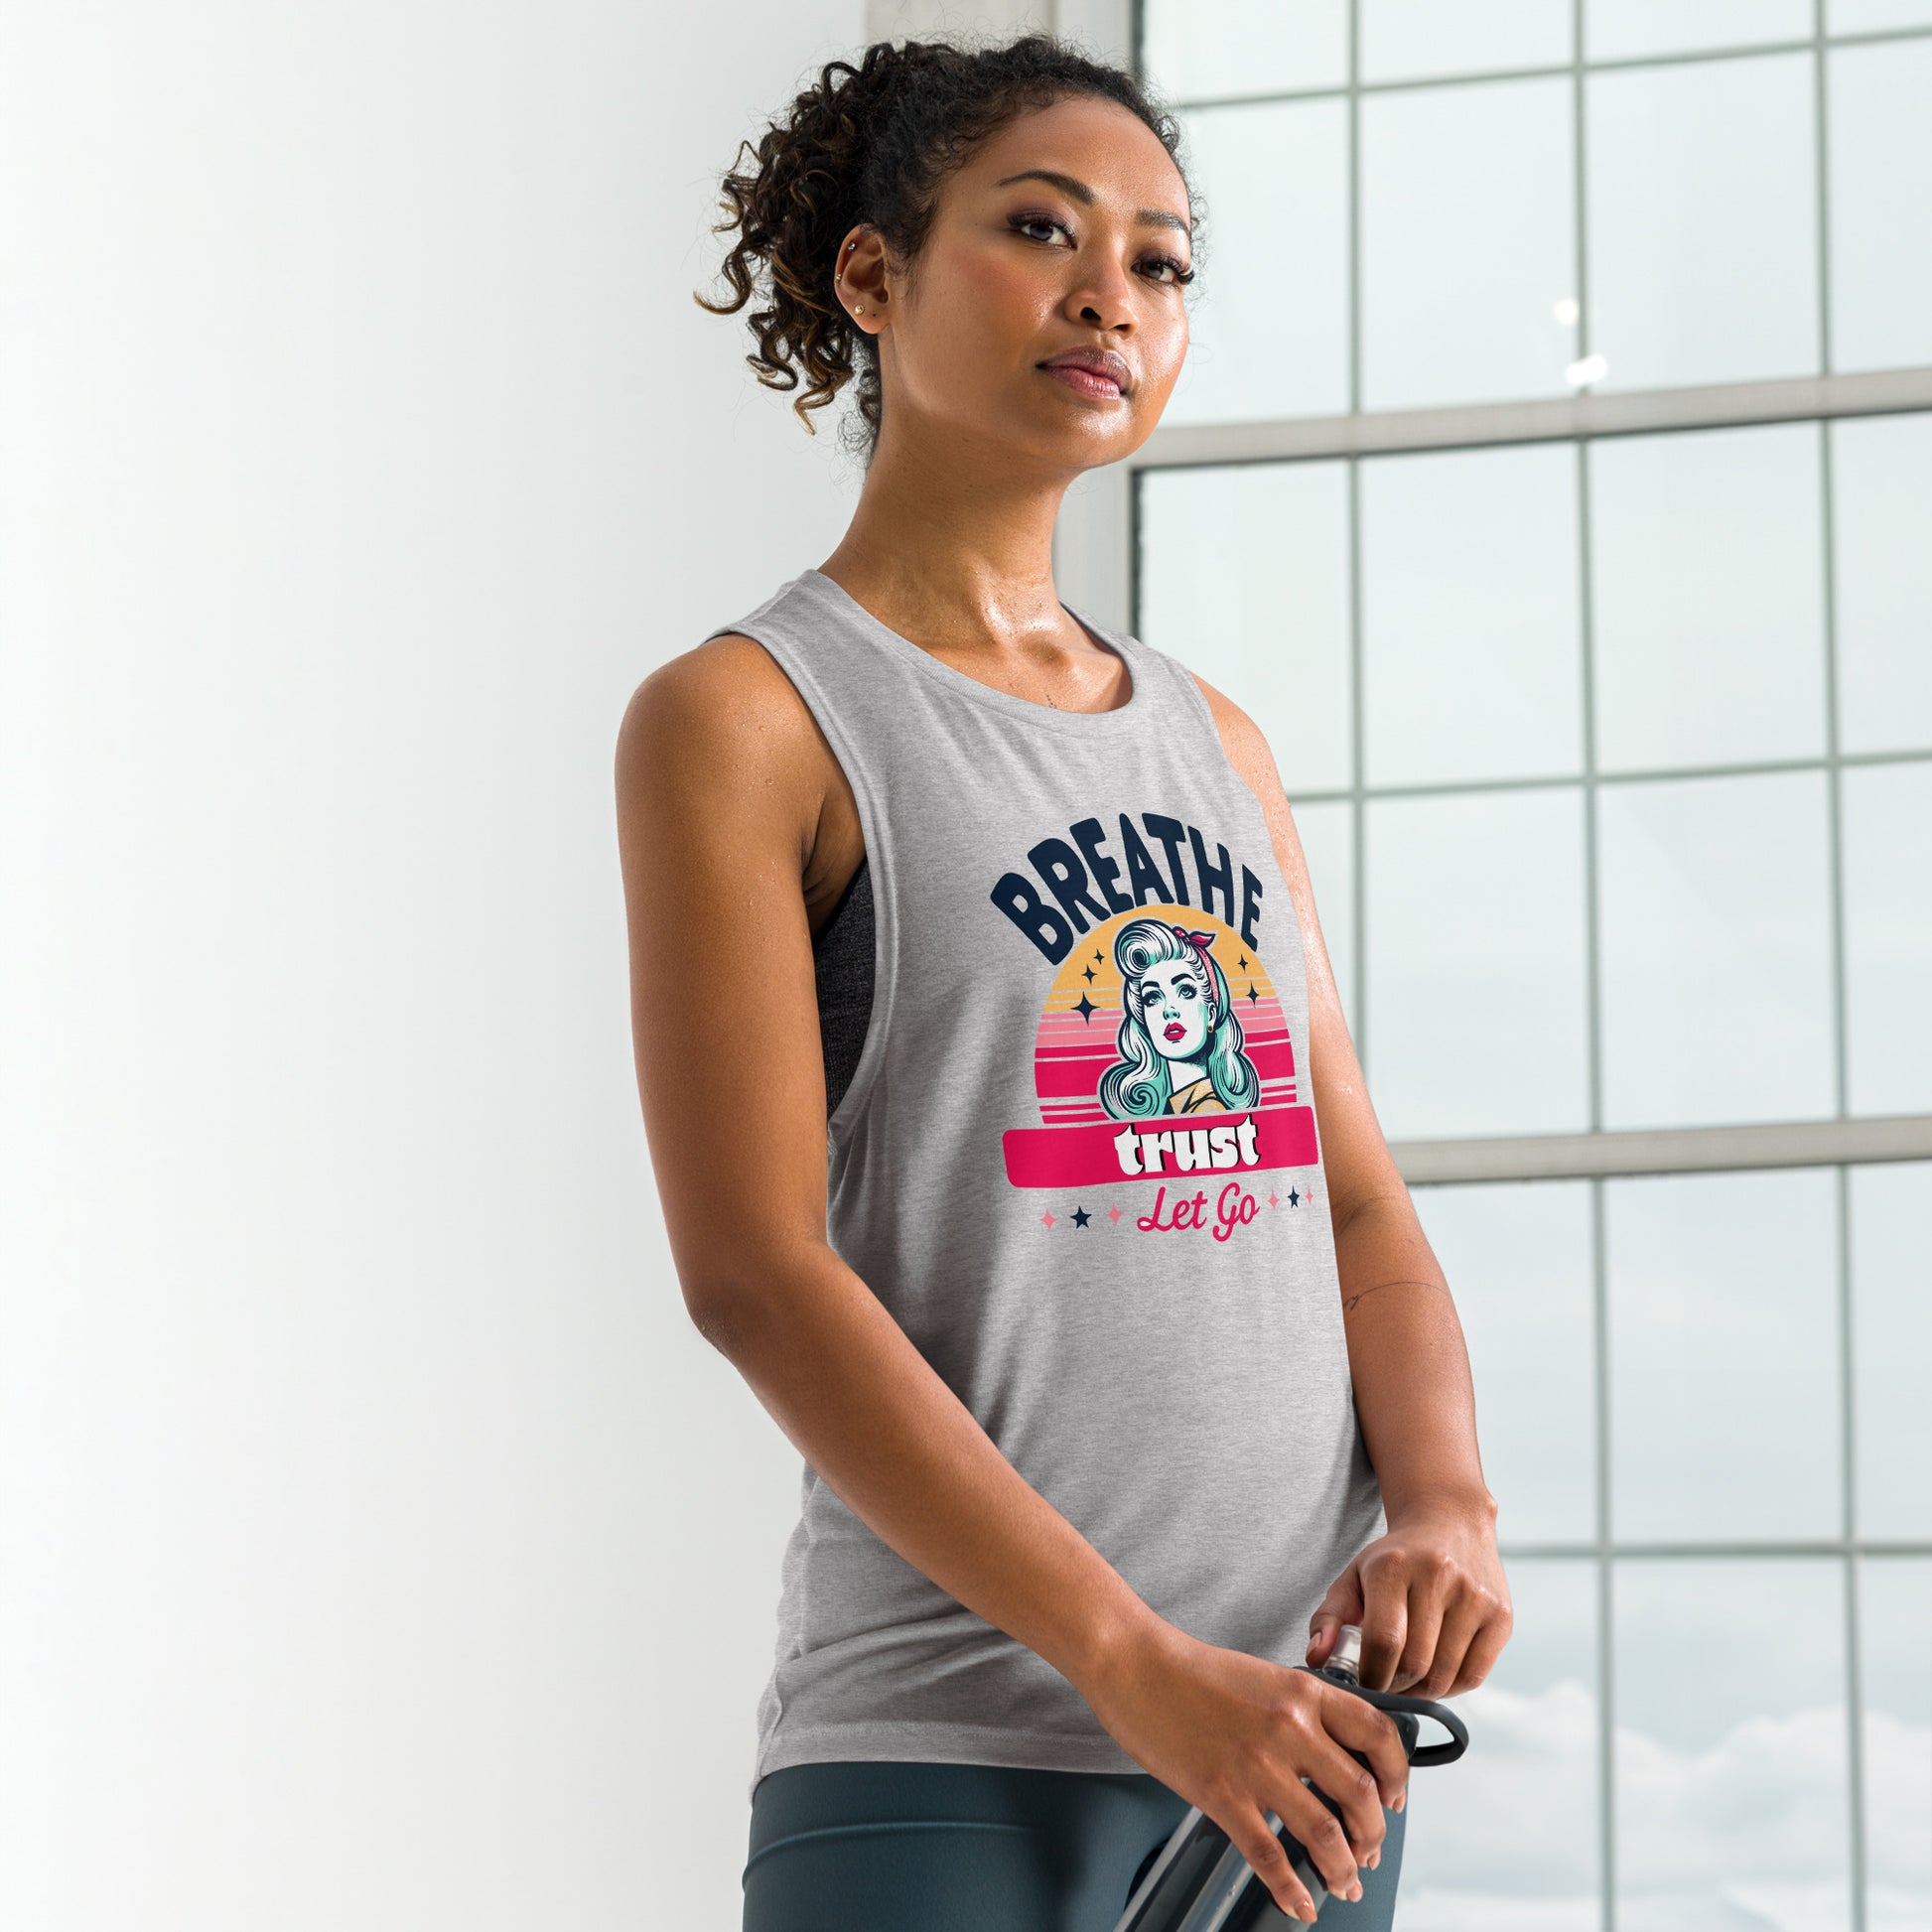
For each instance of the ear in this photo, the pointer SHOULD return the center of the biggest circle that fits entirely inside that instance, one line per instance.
(862, 276)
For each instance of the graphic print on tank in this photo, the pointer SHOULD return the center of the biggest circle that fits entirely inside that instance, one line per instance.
(1164, 1060)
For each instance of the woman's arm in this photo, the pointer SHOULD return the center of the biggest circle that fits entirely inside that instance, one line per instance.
(721, 774)
(1431, 1594)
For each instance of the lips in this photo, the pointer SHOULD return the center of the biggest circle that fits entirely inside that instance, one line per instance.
(1098, 372)
(1176, 1030)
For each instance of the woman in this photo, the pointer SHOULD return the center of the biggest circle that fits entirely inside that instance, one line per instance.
(1097, 1414)
(1179, 1040)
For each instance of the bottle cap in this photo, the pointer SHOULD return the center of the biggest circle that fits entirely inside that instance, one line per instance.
(1347, 1652)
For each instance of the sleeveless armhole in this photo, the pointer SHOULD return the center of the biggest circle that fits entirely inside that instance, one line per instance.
(885, 923)
(842, 968)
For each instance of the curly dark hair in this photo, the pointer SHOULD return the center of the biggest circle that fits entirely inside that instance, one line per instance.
(875, 143)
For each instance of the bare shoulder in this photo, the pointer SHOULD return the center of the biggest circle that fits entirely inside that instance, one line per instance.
(723, 720)
(725, 697)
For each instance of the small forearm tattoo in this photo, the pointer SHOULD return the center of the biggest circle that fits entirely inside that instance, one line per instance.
(1353, 1300)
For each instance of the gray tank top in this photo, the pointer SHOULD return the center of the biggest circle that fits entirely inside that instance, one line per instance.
(1077, 1161)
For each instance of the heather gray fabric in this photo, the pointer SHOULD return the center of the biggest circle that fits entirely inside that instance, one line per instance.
(1076, 1161)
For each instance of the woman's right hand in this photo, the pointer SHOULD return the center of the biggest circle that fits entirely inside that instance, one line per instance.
(1236, 1734)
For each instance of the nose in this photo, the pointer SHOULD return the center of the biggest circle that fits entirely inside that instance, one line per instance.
(1102, 298)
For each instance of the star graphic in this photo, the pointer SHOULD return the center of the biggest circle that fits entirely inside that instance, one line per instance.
(1080, 1217)
(1294, 1200)
(1098, 954)
(1086, 1009)
(1047, 1217)
(1091, 975)
(1114, 1214)
(1241, 964)
(1254, 997)
(1273, 1199)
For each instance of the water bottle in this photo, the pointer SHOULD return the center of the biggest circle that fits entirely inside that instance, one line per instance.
(1200, 1880)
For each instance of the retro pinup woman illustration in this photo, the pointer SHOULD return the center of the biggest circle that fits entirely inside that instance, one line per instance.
(1179, 1040)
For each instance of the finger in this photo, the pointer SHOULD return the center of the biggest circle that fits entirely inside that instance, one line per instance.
(1342, 1605)
(1432, 1582)
(1357, 1725)
(1255, 1835)
(1484, 1647)
(1355, 1787)
(1323, 1835)
(1385, 1615)
(1461, 1621)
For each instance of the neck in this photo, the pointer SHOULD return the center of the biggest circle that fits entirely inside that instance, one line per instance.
(954, 543)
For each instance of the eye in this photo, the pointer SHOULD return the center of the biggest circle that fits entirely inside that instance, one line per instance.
(1181, 274)
(1019, 224)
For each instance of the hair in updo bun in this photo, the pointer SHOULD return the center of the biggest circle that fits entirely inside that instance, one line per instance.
(875, 143)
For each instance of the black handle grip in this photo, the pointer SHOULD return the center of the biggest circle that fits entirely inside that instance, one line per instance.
(1395, 1702)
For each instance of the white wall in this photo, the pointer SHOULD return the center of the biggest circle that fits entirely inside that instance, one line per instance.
(379, 1545)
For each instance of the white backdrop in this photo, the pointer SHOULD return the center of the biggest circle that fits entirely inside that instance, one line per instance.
(380, 1547)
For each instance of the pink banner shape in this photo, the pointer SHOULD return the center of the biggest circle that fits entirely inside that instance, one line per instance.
(1170, 1147)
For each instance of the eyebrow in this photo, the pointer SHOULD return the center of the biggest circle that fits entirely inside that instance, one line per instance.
(1158, 218)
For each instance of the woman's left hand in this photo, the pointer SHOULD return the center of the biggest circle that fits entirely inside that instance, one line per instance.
(1430, 1600)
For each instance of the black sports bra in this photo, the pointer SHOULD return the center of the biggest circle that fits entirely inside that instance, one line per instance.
(842, 959)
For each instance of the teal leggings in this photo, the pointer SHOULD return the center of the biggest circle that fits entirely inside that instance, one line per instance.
(874, 1847)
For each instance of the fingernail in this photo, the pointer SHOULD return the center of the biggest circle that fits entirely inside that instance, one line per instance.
(1401, 1798)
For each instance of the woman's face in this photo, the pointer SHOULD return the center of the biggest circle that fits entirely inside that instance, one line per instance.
(1174, 1010)
(1017, 270)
